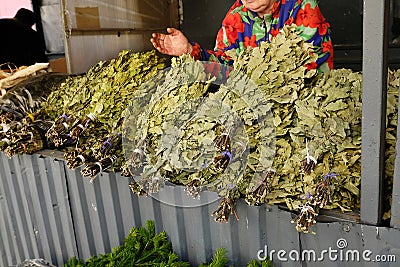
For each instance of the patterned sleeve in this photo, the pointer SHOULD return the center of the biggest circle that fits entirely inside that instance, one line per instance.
(315, 29)
(306, 14)
(230, 26)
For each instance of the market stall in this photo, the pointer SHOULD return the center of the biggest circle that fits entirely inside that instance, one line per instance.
(264, 156)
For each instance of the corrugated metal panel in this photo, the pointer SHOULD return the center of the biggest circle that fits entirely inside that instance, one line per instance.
(195, 236)
(35, 219)
(97, 213)
(104, 211)
(50, 212)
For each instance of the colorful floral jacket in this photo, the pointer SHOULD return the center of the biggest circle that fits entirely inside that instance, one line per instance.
(242, 27)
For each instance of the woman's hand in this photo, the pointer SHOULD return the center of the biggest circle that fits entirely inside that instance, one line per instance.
(174, 43)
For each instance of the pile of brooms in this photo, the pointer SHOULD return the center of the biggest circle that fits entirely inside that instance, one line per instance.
(269, 130)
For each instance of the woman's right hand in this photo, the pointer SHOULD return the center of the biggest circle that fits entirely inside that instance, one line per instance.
(174, 43)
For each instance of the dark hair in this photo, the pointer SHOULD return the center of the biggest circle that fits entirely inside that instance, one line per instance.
(25, 16)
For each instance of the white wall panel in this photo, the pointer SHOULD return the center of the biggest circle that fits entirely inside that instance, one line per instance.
(120, 25)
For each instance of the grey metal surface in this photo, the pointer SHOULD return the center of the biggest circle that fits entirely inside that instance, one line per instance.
(35, 219)
(107, 208)
(358, 239)
(395, 208)
(104, 211)
(374, 108)
(50, 212)
(326, 236)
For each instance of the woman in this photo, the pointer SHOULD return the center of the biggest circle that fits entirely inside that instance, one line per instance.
(249, 22)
